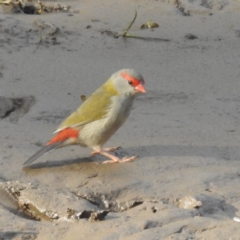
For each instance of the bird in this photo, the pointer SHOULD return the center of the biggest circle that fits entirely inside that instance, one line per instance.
(99, 117)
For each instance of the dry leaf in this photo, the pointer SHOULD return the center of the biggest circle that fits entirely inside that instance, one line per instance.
(149, 24)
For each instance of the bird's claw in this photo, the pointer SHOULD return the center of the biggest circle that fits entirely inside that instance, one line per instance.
(128, 159)
(110, 161)
(94, 153)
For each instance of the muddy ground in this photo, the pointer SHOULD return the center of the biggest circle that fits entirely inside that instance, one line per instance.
(186, 129)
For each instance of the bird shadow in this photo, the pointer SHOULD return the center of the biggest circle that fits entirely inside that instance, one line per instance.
(216, 152)
(65, 162)
(87, 166)
(221, 153)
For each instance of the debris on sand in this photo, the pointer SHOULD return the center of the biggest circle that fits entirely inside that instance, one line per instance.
(189, 202)
(149, 24)
(106, 202)
(28, 7)
(47, 33)
(126, 33)
(88, 214)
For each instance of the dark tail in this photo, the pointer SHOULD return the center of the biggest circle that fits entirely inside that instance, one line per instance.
(61, 137)
(42, 151)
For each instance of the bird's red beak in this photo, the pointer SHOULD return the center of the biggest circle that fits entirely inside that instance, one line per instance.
(140, 88)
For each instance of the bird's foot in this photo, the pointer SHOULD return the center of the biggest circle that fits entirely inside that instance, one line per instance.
(111, 161)
(124, 160)
(114, 159)
(105, 150)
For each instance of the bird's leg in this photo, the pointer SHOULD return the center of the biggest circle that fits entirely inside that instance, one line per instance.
(112, 149)
(115, 159)
(106, 150)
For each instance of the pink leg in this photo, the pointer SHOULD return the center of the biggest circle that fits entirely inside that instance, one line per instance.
(115, 159)
(106, 150)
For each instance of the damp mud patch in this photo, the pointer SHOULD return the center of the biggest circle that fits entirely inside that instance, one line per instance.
(9, 201)
(107, 202)
(88, 214)
(24, 207)
(32, 7)
(14, 108)
(37, 203)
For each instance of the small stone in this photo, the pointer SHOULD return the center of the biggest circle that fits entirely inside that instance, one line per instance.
(189, 202)
(190, 36)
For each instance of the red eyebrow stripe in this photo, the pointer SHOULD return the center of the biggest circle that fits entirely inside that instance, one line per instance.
(135, 81)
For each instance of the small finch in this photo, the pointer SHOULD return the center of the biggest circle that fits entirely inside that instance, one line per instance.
(99, 117)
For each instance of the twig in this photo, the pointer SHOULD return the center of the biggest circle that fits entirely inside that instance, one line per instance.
(55, 29)
(38, 44)
(41, 28)
(125, 34)
(148, 38)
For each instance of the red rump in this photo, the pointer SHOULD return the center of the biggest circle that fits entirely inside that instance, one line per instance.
(135, 81)
(64, 135)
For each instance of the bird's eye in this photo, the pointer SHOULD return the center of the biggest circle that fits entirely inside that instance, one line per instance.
(130, 82)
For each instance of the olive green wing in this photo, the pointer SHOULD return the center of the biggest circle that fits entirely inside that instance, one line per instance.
(94, 108)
